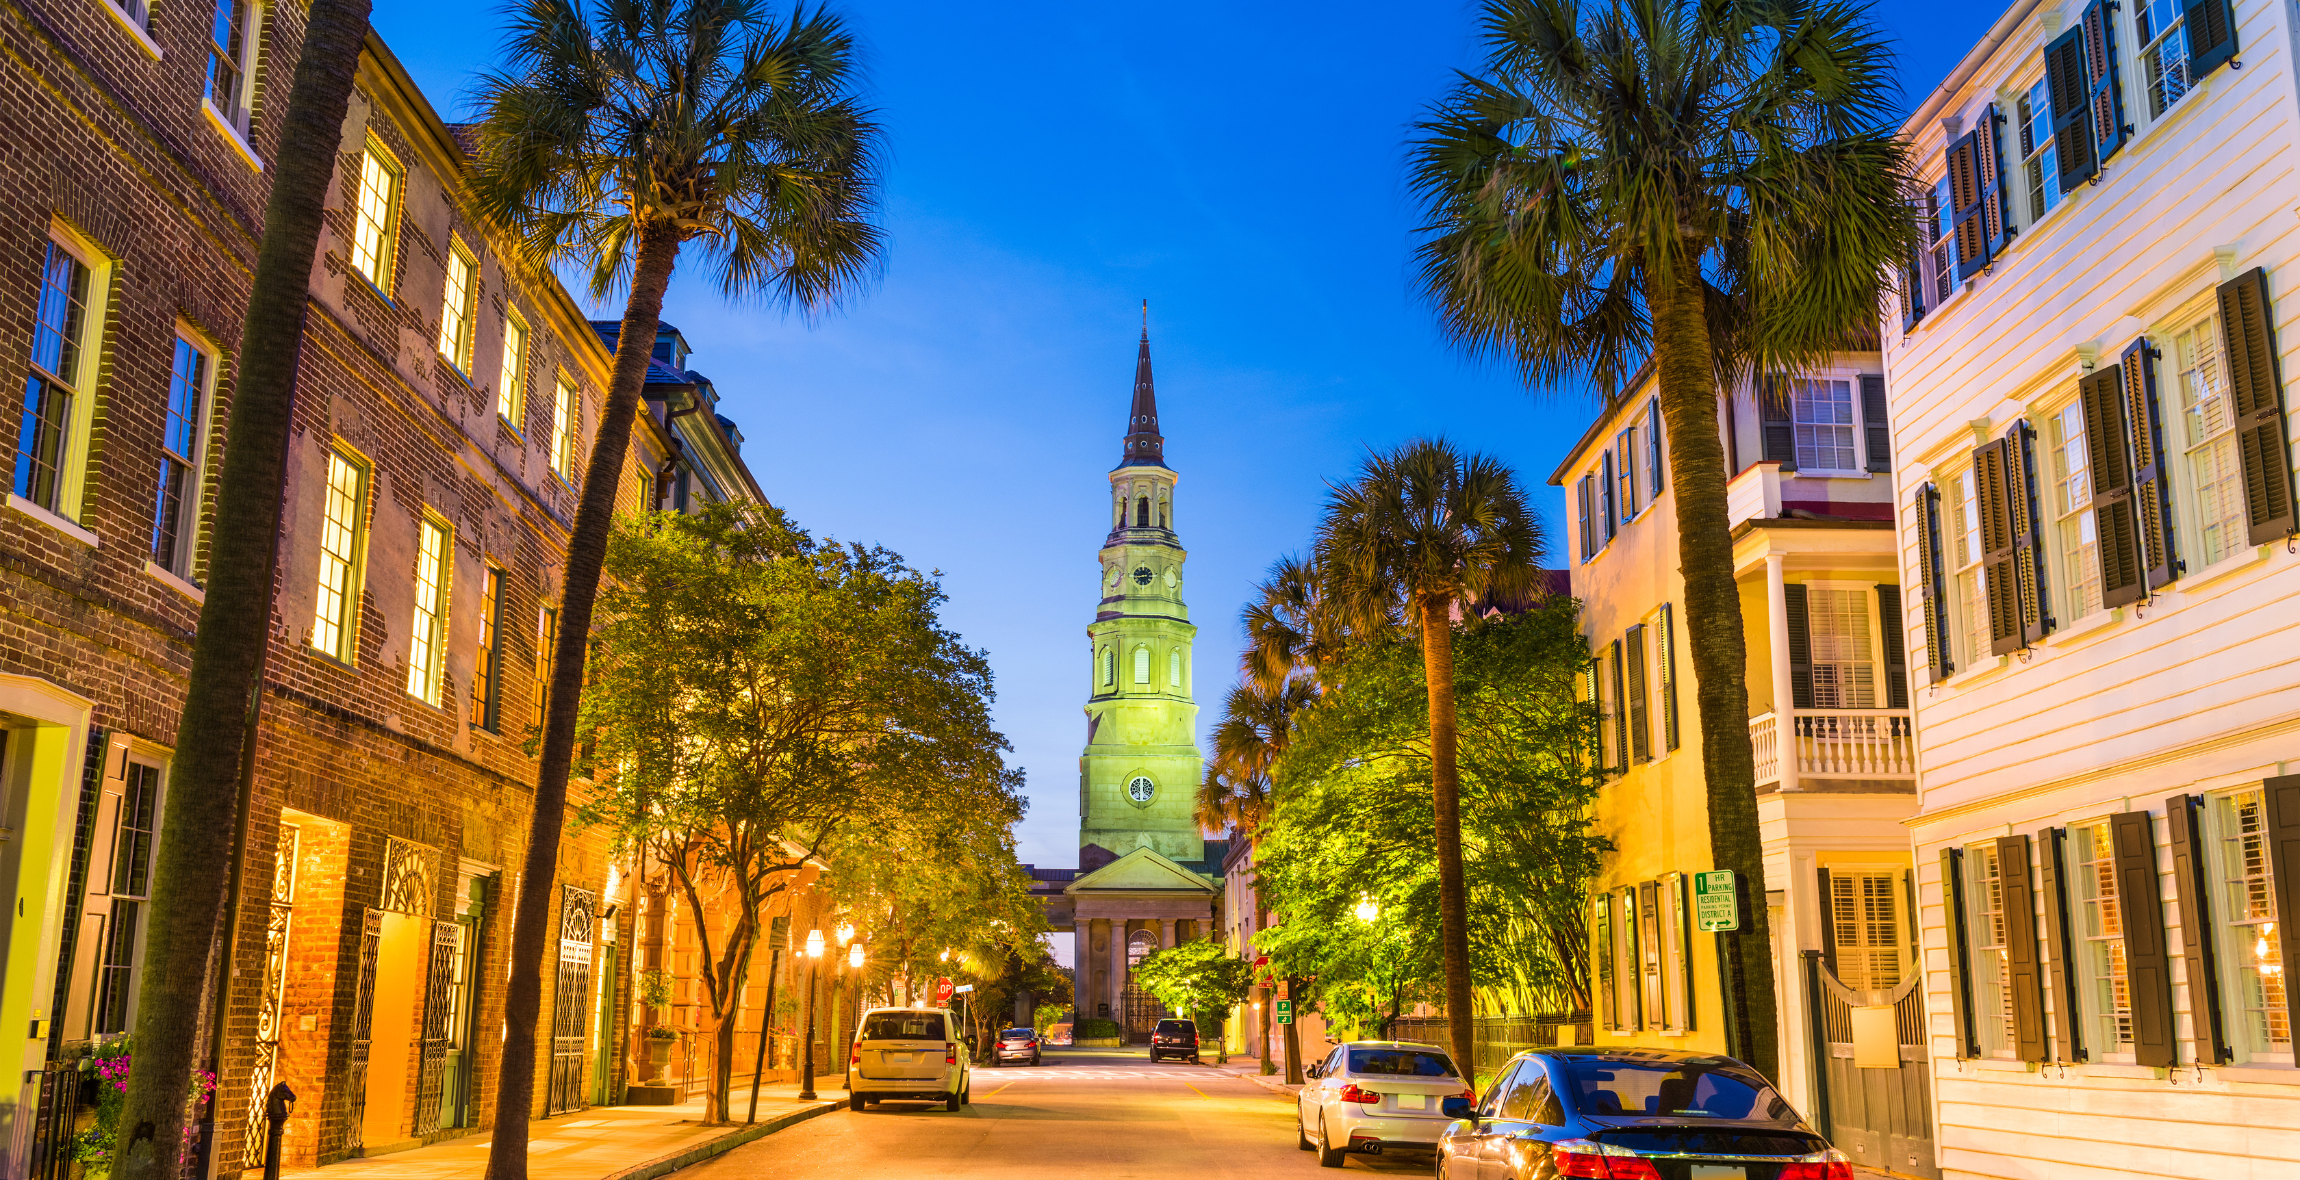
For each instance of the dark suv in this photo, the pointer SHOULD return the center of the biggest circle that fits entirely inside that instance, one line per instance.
(1174, 1038)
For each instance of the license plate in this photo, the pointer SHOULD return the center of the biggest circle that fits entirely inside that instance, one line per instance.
(1718, 1172)
(1413, 1101)
(899, 1058)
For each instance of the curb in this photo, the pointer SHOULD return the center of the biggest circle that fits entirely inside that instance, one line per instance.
(665, 1165)
(1274, 1083)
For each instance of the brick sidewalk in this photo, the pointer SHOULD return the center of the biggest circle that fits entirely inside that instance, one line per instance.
(602, 1143)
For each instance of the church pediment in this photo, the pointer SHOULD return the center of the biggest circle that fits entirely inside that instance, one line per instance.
(1142, 870)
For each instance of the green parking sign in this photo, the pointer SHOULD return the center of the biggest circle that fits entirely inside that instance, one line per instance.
(1716, 907)
(1285, 1011)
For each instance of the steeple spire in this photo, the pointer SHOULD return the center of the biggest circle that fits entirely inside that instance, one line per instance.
(1145, 447)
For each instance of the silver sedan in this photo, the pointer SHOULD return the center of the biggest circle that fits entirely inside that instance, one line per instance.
(1376, 1097)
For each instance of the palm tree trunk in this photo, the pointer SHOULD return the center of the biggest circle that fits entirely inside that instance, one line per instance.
(586, 552)
(235, 622)
(1445, 798)
(1720, 660)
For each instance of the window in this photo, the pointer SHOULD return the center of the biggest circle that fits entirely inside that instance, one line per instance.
(1585, 500)
(1625, 460)
(131, 887)
(138, 12)
(486, 663)
(1865, 921)
(427, 634)
(511, 387)
(65, 331)
(175, 518)
(2040, 169)
(1965, 524)
(1822, 412)
(2072, 509)
(1601, 955)
(1837, 627)
(1992, 962)
(2215, 478)
(546, 655)
(1608, 506)
(458, 307)
(1141, 665)
(2163, 41)
(1174, 670)
(1940, 231)
(232, 38)
(344, 515)
(566, 425)
(1109, 668)
(375, 218)
(2102, 986)
(2256, 959)
(1671, 936)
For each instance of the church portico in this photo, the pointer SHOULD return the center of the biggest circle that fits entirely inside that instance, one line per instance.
(1140, 903)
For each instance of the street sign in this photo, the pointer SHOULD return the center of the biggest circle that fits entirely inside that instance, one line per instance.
(964, 988)
(1285, 1011)
(1716, 907)
(943, 990)
(1285, 989)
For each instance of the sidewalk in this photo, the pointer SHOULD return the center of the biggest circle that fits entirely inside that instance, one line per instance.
(602, 1143)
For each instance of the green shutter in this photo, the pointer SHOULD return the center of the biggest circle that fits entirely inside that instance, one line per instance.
(2151, 466)
(1665, 664)
(2104, 79)
(2063, 978)
(1967, 196)
(1774, 428)
(2184, 820)
(2257, 396)
(1960, 952)
(1876, 422)
(2100, 396)
(2280, 799)
(2211, 31)
(1932, 585)
(1993, 487)
(2071, 122)
(1800, 659)
(1640, 733)
(2022, 968)
(2027, 520)
(2147, 967)
(1894, 625)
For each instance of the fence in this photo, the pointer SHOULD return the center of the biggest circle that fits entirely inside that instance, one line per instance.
(62, 1089)
(1496, 1039)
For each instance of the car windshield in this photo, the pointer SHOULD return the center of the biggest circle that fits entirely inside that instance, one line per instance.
(903, 1026)
(1706, 1088)
(1018, 1034)
(1407, 1063)
(1174, 1028)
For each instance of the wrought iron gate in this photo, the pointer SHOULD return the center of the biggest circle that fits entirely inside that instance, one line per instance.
(362, 1029)
(438, 1002)
(274, 988)
(570, 1002)
(1881, 1117)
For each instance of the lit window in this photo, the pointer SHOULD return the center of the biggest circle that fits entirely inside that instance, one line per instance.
(1940, 231)
(175, 518)
(59, 385)
(1964, 522)
(2040, 166)
(486, 663)
(1822, 412)
(375, 225)
(2157, 29)
(458, 307)
(339, 535)
(1142, 665)
(2215, 477)
(566, 424)
(1865, 910)
(511, 387)
(2265, 1026)
(2072, 505)
(1837, 625)
(1109, 668)
(131, 884)
(231, 61)
(425, 639)
(1992, 961)
(2104, 990)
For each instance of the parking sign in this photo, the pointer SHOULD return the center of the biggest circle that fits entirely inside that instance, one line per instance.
(1285, 1011)
(1716, 907)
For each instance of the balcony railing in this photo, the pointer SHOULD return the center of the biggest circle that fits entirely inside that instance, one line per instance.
(1834, 743)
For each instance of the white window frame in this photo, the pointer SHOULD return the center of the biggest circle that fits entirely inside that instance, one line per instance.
(2039, 158)
(1855, 426)
(236, 111)
(2068, 504)
(427, 628)
(88, 339)
(459, 311)
(1626, 460)
(2149, 54)
(105, 849)
(1940, 244)
(2241, 937)
(2198, 443)
(1874, 657)
(1994, 1026)
(1851, 873)
(184, 562)
(566, 427)
(375, 221)
(1676, 984)
(1969, 613)
(337, 636)
(2097, 942)
(511, 390)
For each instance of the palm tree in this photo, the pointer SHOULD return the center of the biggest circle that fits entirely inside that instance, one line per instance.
(1714, 189)
(613, 139)
(1417, 540)
(200, 842)
(1255, 724)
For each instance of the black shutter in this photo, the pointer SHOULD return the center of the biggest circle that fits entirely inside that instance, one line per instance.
(2025, 973)
(1996, 200)
(2151, 467)
(2071, 120)
(1966, 198)
(1828, 919)
(1960, 952)
(2280, 800)
(2023, 501)
(1640, 739)
(1876, 422)
(1582, 502)
(1800, 653)
(2062, 975)
(1665, 669)
(2211, 30)
(1993, 485)
(1657, 473)
(1620, 714)
(2104, 79)
(1605, 494)
(1932, 585)
(1894, 626)
(1774, 427)
(2184, 819)
(1912, 286)
(2147, 969)
(2258, 399)
(2106, 446)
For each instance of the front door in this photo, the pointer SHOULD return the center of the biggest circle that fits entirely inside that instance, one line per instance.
(603, 1031)
(571, 1004)
(455, 1089)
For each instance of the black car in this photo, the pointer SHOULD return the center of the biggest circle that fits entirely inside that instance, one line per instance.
(1018, 1044)
(1632, 1114)
(1175, 1038)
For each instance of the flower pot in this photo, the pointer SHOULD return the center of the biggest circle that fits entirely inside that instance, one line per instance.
(658, 1060)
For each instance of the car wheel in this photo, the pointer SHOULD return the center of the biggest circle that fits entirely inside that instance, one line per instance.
(855, 1102)
(1302, 1137)
(1329, 1156)
(953, 1100)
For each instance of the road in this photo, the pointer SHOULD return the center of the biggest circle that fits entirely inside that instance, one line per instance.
(1104, 1115)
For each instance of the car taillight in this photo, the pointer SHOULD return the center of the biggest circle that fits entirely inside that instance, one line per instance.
(1829, 1164)
(856, 1059)
(1351, 1093)
(1603, 1161)
(949, 1053)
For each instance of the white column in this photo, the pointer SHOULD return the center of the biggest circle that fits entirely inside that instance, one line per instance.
(1117, 985)
(1166, 933)
(1784, 691)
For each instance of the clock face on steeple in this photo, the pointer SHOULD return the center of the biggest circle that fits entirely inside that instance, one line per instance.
(1141, 575)
(1141, 790)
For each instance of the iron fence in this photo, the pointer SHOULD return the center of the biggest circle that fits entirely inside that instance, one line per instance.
(1496, 1039)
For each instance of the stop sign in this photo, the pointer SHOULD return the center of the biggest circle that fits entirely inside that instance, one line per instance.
(942, 992)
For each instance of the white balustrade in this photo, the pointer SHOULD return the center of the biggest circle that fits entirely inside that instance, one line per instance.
(1764, 743)
(1837, 743)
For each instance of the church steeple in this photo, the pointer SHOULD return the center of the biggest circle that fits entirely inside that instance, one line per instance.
(1145, 447)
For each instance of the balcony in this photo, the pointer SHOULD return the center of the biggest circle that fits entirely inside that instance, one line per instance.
(1865, 746)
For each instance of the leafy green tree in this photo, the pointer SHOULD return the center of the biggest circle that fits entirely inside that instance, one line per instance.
(613, 138)
(1715, 189)
(1421, 538)
(756, 694)
(1202, 978)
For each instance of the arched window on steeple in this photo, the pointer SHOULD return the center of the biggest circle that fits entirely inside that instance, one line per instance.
(1142, 512)
(1109, 668)
(1162, 513)
(1141, 665)
(1174, 670)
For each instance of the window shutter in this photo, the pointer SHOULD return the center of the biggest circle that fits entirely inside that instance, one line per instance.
(1892, 626)
(1828, 919)
(1581, 501)
(2184, 818)
(1656, 473)
(1960, 952)
(2028, 530)
(1966, 197)
(2280, 799)
(2148, 971)
(1640, 734)
(1779, 434)
(2258, 398)
(1800, 652)
(1665, 662)
(1932, 585)
(1876, 422)
(1605, 493)
(2211, 30)
(2104, 81)
(2151, 472)
(1993, 487)
(2106, 443)
(1996, 202)
(2062, 977)
(1912, 287)
(2027, 977)
(1620, 714)
(2071, 123)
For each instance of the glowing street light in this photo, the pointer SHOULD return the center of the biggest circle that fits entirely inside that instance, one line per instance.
(855, 956)
(1367, 911)
(814, 944)
(846, 933)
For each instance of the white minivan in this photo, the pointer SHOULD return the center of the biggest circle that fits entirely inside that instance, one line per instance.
(908, 1054)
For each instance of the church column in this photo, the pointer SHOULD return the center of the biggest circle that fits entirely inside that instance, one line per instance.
(1116, 988)
(1166, 934)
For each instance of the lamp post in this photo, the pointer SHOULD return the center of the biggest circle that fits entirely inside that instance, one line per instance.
(855, 963)
(846, 937)
(814, 971)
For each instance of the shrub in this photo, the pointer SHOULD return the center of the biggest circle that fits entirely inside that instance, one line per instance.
(1094, 1028)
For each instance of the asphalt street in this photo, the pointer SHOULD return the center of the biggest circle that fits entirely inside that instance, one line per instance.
(1104, 1115)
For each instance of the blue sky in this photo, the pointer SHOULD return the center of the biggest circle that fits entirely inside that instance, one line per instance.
(1238, 165)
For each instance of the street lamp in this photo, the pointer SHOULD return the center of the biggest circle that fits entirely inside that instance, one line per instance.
(814, 975)
(846, 933)
(1367, 911)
